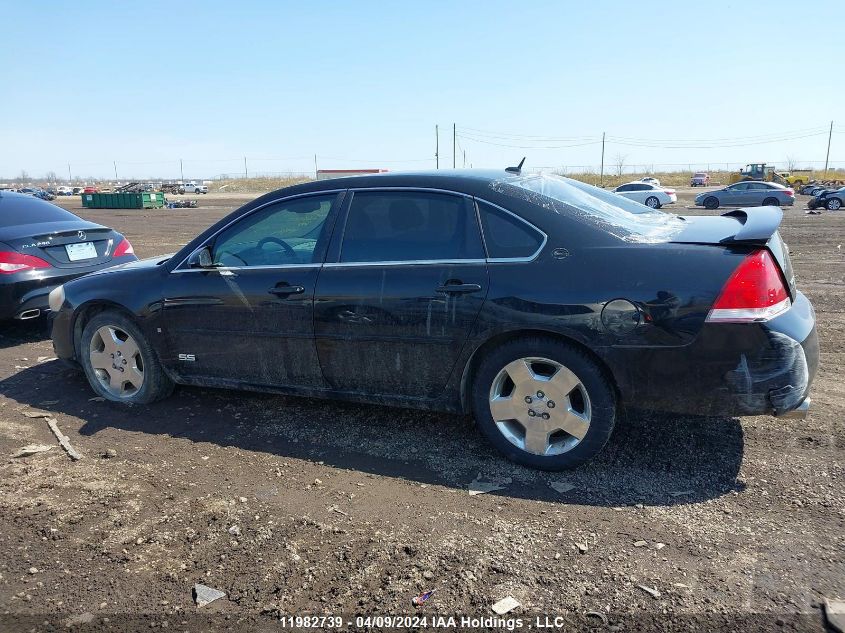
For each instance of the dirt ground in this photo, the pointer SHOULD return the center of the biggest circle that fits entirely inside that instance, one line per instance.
(295, 506)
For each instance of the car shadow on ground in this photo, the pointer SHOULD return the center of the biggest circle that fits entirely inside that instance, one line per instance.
(651, 459)
(14, 333)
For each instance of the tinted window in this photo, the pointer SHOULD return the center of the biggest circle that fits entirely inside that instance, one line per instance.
(624, 188)
(284, 233)
(507, 236)
(405, 226)
(19, 209)
(740, 187)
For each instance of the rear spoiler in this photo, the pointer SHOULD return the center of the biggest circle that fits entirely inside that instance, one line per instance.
(758, 224)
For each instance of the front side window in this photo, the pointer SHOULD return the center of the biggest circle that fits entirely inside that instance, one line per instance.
(507, 237)
(388, 226)
(285, 233)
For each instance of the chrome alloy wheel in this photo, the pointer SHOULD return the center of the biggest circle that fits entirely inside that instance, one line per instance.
(540, 406)
(116, 361)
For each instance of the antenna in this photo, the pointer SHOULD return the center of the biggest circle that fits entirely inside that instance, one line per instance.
(517, 169)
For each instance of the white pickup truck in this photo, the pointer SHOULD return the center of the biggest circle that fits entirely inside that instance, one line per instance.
(193, 187)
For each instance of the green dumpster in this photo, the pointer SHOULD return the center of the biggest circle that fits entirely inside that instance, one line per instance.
(145, 200)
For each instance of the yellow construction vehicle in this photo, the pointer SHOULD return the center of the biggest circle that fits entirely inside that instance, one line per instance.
(758, 171)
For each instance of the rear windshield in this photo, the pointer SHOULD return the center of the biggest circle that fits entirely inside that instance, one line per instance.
(20, 209)
(619, 216)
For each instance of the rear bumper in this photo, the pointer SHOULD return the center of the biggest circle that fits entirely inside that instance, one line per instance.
(22, 293)
(732, 369)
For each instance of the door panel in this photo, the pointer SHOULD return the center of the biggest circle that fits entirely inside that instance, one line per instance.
(394, 309)
(398, 329)
(250, 317)
(235, 328)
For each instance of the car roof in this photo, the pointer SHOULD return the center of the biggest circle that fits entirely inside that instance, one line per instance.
(461, 180)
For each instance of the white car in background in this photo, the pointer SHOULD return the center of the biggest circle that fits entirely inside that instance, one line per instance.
(652, 196)
(193, 187)
(651, 180)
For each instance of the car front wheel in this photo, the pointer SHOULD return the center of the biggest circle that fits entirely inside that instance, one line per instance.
(834, 204)
(543, 403)
(119, 362)
(711, 202)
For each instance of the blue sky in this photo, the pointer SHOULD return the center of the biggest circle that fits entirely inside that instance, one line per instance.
(364, 83)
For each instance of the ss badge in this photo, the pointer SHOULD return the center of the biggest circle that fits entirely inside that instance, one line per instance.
(190, 358)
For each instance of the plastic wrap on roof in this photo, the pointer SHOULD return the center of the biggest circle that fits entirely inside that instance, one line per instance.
(619, 216)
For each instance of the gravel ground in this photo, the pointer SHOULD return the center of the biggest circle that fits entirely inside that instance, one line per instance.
(297, 506)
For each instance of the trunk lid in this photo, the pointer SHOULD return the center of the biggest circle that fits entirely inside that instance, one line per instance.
(63, 244)
(751, 226)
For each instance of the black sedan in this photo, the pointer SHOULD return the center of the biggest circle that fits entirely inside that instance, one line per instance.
(831, 199)
(538, 304)
(42, 246)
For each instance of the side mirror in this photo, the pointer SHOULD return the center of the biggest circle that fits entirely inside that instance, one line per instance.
(201, 258)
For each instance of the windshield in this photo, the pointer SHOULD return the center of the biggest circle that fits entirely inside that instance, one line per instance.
(619, 216)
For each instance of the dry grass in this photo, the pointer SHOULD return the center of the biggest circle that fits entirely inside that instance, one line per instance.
(241, 185)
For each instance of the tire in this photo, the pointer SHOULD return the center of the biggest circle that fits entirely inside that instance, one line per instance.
(834, 204)
(771, 202)
(652, 202)
(549, 368)
(711, 202)
(145, 380)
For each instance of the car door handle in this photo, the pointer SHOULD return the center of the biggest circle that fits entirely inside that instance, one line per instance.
(458, 288)
(283, 290)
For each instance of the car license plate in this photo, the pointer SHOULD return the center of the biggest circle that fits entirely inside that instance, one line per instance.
(77, 252)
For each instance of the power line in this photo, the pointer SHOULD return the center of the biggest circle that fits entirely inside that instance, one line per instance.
(486, 142)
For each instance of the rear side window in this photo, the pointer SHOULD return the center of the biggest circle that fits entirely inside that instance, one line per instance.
(399, 226)
(506, 236)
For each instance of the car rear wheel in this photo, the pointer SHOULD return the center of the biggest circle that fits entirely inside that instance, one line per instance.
(543, 403)
(771, 202)
(652, 202)
(711, 202)
(119, 363)
(834, 204)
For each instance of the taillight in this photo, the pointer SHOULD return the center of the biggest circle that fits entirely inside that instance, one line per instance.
(790, 193)
(669, 192)
(754, 292)
(11, 262)
(124, 248)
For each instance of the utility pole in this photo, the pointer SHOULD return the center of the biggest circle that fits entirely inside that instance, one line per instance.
(315, 167)
(601, 177)
(465, 159)
(454, 139)
(437, 146)
(827, 158)
(246, 171)
(115, 169)
(181, 170)
(69, 177)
